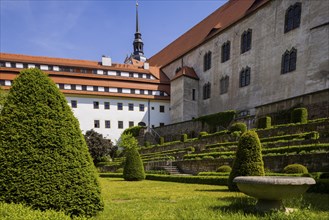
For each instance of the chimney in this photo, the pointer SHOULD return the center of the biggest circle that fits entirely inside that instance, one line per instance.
(106, 61)
(146, 66)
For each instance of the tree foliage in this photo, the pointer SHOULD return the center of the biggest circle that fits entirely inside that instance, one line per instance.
(45, 161)
(99, 147)
(248, 160)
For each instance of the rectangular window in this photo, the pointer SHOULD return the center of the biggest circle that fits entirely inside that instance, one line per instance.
(120, 106)
(73, 87)
(131, 106)
(193, 94)
(104, 72)
(141, 107)
(140, 75)
(96, 105)
(148, 76)
(106, 105)
(74, 103)
(96, 123)
(106, 89)
(94, 71)
(162, 108)
(84, 88)
(141, 91)
(132, 91)
(162, 93)
(118, 73)
(61, 86)
(95, 88)
(245, 77)
(150, 92)
(119, 90)
(50, 68)
(224, 82)
(162, 124)
(120, 124)
(131, 124)
(131, 74)
(107, 124)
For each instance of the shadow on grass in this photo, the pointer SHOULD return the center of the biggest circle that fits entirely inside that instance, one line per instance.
(212, 190)
(237, 204)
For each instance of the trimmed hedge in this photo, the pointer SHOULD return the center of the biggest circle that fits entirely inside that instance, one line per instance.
(248, 160)
(214, 174)
(295, 168)
(183, 138)
(321, 186)
(45, 162)
(238, 126)
(210, 180)
(224, 169)
(264, 122)
(134, 168)
(161, 141)
(299, 115)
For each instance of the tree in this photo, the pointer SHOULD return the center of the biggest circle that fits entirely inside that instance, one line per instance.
(45, 161)
(3, 96)
(98, 146)
(133, 169)
(248, 160)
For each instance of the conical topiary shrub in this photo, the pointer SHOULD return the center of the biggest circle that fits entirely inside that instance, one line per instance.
(248, 160)
(133, 169)
(45, 161)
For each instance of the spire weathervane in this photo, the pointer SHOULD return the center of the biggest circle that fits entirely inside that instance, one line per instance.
(138, 42)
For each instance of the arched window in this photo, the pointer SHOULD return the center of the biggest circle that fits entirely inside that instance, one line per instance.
(292, 18)
(289, 59)
(246, 40)
(206, 90)
(207, 61)
(226, 47)
(245, 77)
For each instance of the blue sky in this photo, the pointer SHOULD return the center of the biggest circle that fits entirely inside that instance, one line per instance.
(82, 29)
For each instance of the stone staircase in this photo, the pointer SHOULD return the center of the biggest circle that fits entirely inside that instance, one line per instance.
(173, 170)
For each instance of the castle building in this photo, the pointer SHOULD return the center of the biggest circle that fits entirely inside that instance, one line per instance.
(254, 56)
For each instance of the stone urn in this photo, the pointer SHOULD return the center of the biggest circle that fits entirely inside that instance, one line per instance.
(270, 190)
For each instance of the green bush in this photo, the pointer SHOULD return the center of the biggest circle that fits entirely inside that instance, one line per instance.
(45, 161)
(248, 160)
(264, 122)
(214, 174)
(161, 140)
(134, 131)
(299, 115)
(202, 133)
(210, 180)
(238, 126)
(119, 170)
(208, 157)
(295, 168)
(321, 186)
(134, 168)
(224, 169)
(183, 138)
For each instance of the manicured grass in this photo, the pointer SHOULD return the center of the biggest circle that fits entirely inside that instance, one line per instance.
(166, 200)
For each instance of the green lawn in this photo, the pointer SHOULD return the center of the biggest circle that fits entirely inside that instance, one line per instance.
(167, 200)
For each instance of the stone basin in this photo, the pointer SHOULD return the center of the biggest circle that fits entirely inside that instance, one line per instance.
(270, 190)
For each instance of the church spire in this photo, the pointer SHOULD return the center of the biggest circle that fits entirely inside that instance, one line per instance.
(138, 42)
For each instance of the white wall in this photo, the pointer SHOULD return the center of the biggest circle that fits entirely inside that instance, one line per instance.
(86, 113)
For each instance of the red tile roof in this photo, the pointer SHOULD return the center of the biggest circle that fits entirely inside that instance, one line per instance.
(186, 71)
(222, 18)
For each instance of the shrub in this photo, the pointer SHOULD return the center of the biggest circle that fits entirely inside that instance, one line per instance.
(134, 131)
(183, 138)
(119, 170)
(295, 168)
(248, 160)
(202, 133)
(299, 115)
(45, 161)
(264, 122)
(208, 157)
(238, 126)
(161, 140)
(224, 169)
(134, 168)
